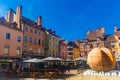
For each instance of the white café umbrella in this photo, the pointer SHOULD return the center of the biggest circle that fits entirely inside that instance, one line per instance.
(35, 60)
(59, 59)
(52, 59)
(69, 60)
(80, 59)
(49, 59)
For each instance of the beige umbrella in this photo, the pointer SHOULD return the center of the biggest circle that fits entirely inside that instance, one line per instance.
(80, 59)
(49, 59)
(59, 59)
(34, 60)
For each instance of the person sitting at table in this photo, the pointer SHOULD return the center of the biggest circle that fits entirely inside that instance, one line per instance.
(6, 70)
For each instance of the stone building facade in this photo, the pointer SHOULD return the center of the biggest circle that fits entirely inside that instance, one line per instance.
(113, 41)
(34, 38)
(93, 39)
(63, 49)
(52, 43)
(98, 38)
(33, 32)
(11, 40)
(73, 50)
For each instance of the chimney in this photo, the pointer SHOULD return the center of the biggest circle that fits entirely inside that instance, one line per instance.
(9, 16)
(6, 17)
(102, 30)
(115, 28)
(18, 16)
(39, 21)
(88, 32)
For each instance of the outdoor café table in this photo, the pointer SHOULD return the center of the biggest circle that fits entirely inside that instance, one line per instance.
(40, 72)
(51, 72)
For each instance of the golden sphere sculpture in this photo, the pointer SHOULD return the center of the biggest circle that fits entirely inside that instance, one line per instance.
(101, 59)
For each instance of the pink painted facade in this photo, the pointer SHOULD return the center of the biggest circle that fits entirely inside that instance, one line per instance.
(63, 49)
(15, 45)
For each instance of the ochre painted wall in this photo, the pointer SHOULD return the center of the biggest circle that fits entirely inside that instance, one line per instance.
(13, 43)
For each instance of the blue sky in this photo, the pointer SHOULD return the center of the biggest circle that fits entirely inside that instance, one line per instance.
(69, 18)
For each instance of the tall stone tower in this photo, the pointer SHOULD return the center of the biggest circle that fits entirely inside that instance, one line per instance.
(10, 16)
(39, 21)
(102, 29)
(88, 32)
(115, 28)
(18, 16)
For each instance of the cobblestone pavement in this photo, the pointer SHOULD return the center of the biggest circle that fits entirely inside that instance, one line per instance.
(7, 78)
(21, 79)
(94, 78)
(59, 77)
